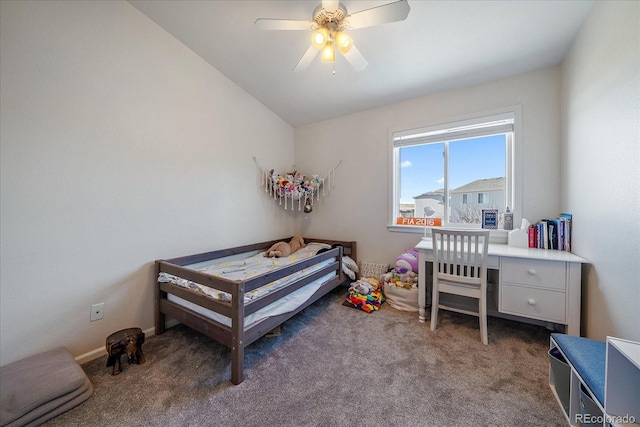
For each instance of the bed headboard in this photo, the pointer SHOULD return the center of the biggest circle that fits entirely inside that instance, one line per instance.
(350, 247)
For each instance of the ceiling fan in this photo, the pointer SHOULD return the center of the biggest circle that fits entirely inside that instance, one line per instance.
(329, 22)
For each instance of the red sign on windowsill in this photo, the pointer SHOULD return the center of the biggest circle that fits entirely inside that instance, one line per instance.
(430, 222)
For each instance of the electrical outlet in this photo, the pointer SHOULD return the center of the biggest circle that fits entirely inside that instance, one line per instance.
(97, 311)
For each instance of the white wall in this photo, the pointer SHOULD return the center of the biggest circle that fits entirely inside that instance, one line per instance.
(119, 146)
(601, 138)
(358, 208)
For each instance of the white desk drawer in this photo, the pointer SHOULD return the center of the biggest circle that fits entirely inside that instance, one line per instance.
(533, 302)
(543, 274)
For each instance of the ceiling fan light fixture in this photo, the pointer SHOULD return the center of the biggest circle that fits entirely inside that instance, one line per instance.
(319, 38)
(343, 41)
(329, 19)
(328, 54)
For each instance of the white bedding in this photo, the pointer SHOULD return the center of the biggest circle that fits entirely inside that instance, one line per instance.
(280, 306)
(252, 266)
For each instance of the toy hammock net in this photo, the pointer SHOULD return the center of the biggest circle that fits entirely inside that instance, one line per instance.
(296, 188)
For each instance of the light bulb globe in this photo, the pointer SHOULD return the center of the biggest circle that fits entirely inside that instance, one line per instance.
(343, 41)
(319, 38)
(328, 53)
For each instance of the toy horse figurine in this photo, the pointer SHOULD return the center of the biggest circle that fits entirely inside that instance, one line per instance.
(129, 342)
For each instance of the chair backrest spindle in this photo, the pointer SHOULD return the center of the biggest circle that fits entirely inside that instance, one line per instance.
(458, 252)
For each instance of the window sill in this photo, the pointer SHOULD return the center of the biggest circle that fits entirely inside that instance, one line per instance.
(496, 236)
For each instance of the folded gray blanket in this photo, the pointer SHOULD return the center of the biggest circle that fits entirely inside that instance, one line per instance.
(40, 387)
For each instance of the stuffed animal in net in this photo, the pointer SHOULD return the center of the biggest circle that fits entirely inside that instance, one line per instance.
(284, 249)
(407, 262)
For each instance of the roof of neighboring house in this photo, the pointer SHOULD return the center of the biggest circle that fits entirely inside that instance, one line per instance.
(479, 185)
(407, 206)
(437, 194)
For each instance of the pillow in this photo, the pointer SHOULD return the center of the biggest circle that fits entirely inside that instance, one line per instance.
(351, 264)
(349, 267)
(313, 247)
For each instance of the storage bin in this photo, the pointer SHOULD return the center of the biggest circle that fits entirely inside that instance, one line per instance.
(401, 298)
(561, 377)
(401, 290)
(591, 414)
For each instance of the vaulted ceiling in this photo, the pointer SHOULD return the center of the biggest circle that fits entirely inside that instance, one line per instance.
(442, 45)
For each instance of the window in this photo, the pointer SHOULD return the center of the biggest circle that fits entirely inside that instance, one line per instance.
(453, 171)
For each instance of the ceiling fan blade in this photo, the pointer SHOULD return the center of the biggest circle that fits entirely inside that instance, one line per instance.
(330, 5)
(306, 59)
(355, 58)
(284, 24)
(391, 12)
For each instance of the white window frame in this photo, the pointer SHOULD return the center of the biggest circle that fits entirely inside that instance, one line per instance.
(514, 164)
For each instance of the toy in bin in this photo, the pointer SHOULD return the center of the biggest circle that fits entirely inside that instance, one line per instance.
(401, 290)
(407, 262)
(401, 284)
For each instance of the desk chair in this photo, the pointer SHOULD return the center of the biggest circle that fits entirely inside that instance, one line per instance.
(459, 268)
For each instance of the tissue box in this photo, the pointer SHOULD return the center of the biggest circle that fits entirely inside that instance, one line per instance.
(518, 238)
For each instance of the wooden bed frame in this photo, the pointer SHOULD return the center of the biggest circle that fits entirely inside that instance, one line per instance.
(237, 337)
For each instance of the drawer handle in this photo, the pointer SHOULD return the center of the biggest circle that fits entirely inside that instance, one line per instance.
(532, 271)
(531, 301)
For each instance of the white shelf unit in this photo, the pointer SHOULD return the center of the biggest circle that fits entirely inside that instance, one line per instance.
(622, 387)
(622, 380)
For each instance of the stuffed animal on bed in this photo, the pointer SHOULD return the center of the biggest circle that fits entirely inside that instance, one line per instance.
(284, 249)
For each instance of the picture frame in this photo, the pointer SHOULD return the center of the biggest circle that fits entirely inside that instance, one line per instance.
(490, 219)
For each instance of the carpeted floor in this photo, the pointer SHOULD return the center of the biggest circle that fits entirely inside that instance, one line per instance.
(334, 366)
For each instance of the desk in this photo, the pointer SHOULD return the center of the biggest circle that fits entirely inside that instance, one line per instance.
(536, 285)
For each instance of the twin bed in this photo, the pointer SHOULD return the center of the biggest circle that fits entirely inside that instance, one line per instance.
(237, 295)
